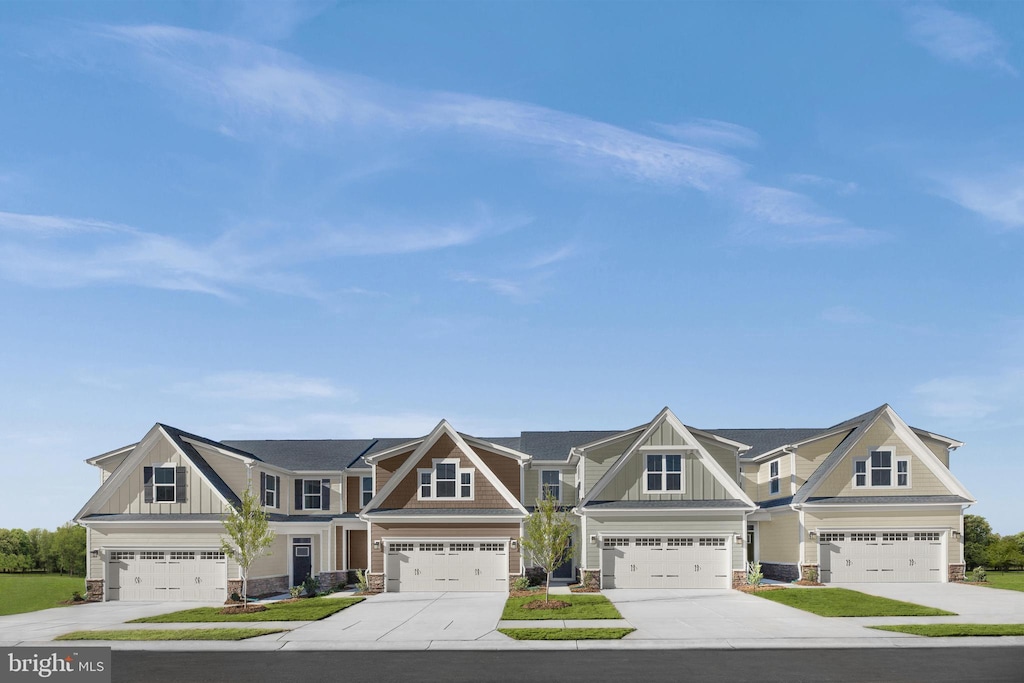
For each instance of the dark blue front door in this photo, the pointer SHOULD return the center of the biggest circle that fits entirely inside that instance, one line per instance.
(565, 571)
(302, 563)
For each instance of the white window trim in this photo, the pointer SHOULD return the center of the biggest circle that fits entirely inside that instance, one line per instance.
(276, 480)
(363, 500)
(540, 484)
(776, 478)
(459, 471)
(894, 469)
(319, 494)
(174, 482)
(664, 478)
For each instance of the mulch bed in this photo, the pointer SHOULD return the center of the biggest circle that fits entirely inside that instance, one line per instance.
(760, 589)
(807, 583)
(242, 609)
(513, 593)
(550, 604)
(584, 589)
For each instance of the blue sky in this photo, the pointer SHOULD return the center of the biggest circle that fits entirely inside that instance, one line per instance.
(346, 220)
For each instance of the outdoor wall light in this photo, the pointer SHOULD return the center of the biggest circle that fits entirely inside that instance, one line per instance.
(593, 539)
(376, 545)
(514, 544)
(813, 533)
(956, 535)
(739, 539)
(94, 553)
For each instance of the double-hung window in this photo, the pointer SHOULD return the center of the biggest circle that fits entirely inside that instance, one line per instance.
(163, 484)
(367, 490)
(270, 491)
(550, 483)
(664, 473)
(445, 480)
(311, 494)
(773, 477)
(881, 469)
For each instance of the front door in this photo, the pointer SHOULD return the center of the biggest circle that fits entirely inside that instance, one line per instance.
(565, 571)
(302, 562)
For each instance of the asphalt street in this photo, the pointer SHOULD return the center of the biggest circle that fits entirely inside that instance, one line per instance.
(958, 665)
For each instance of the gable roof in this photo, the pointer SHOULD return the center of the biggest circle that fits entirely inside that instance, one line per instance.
(765, 440)
(863, 424)
(709, 463)
(557, 445)
(306, 454)
(443, 428)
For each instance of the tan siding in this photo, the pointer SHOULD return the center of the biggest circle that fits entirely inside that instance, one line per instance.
(337, 487)
(881, 435)
(231, 470)
(484, 494)
(718, 524)
(128, 498)
(779, 539)
(764, 480)
(810, 456)
(748, 478)
(357, 549)
(273, 564)
(909, 520)
(939, 448)
(149, 539)
(502, 531)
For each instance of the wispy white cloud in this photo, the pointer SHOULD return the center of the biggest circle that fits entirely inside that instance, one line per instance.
(551, 257)
(56, 251)
(957, 37)
(840, 187)
(777, 215)
(273, 20)
(973, 397)
(711, 132)
(262, 386)
(845, 315)
(503, 286)
(997, 196)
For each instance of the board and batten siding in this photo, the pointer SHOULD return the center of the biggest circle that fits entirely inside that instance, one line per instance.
(924, 519)
(779, 539)
(128, 497)
(712, 525)
(149, 539)
(881, 435)
(498, 531)
(532, 482)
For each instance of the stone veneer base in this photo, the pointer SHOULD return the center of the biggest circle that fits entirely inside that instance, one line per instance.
(94, 590)
(271, 585)
(739, 578)
(957, 572)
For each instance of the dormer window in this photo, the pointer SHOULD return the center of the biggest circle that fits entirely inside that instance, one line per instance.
(446, 480)
(664, 473)
(876, 470)
(163, 481)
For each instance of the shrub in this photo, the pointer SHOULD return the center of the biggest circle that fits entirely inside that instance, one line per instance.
(76, 596)
(295, 591)
(520, 583)
(235, 597)
(361, 582)
(811, 574)
(311, 586)
(754, 575)
(979, 575)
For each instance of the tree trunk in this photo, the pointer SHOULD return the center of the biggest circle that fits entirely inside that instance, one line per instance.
(547, 588)
(245, 591)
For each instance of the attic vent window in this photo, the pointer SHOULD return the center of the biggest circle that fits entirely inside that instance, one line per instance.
(163, 479)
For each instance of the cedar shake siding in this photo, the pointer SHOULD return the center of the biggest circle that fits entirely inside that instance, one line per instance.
(485, 496)
(498, 531)
(505, 469)
(386, 468)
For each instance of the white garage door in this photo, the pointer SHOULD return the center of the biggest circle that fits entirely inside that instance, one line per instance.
(447, 566)
(659, 562)
(167, 575)
(881, 556)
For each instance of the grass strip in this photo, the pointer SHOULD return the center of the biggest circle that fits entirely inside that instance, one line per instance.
(842, 602)
(566, 633)
(311, 609)
(31, 592)
(581, 607)
(955, 630)
(172, 634)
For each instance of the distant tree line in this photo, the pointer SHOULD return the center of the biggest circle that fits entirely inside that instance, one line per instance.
(61, 551)
(983, 548)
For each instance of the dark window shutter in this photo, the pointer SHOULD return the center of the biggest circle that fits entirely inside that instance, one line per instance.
(147, 484)
(263, 488)
(298, 494)
(179, 485)
(277, 496)
(325, 494)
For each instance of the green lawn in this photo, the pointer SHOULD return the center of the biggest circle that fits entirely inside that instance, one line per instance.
(956, 630)
(172, 634)
(21, 593)
(840, 602)
(582, 607)
(1013, 581)
(312, 609)
(567, 633)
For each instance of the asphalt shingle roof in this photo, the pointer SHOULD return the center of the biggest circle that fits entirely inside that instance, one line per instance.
(556, 445)
(764, 440)
(306, 454)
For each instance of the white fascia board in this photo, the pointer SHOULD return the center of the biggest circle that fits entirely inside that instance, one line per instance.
(122, 471)
(195, 443)
(502, 450)
(318, 472)
(637, 512)
(952, 443)
(394, 450)
(109, 454)
(738, 445)
(876, 506)
(760, 515)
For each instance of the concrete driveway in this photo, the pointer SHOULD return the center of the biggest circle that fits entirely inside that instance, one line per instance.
(49, 623)
(407, 618)
(972, 604)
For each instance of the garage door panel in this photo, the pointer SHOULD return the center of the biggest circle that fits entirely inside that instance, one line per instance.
(167, 575)
(884, 556)
(660, 562)
(447, 566)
